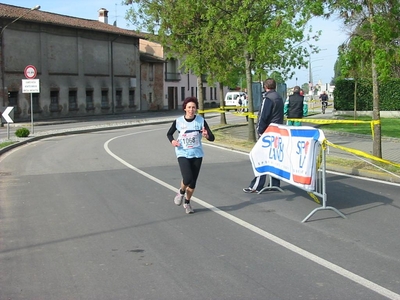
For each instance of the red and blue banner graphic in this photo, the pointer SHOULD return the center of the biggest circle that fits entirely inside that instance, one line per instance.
(288, 153)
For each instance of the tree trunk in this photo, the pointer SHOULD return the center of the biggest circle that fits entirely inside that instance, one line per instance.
(222, 103)
(355, 99)
(252, 133)
(377, 143)
(200, 94)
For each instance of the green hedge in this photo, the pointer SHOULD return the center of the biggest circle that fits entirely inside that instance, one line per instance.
(389, 95)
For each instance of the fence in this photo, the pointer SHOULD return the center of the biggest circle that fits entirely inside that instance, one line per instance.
(296, 155)
(320, 188)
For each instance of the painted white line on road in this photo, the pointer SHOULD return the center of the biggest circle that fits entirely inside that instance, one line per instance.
(363, 178)
(308, 255)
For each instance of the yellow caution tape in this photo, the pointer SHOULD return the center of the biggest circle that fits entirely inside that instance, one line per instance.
(363, 154)
(327, 121)
(226, 109)
(315, 198)
(325, 142)
(223, 109)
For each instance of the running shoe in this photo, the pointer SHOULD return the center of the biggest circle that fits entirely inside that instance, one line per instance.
(249, 190)
(188, 208)
(179, 198)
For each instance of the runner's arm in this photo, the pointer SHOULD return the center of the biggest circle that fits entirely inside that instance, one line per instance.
(211, 136)
(171, 131)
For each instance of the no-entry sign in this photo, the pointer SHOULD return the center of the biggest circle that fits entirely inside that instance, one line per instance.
(30, 72)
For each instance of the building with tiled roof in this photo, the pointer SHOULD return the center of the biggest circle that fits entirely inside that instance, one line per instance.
(84, 67)
(10, 13)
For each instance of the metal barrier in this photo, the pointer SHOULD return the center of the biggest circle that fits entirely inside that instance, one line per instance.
(319, 190)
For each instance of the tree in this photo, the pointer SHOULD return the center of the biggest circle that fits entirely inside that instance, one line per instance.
(215, 35)
(373, 45)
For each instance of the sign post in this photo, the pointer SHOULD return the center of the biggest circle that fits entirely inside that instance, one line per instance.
(8, 118)
(30, 85)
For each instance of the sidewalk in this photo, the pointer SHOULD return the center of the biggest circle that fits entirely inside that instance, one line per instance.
(359, 142)
(390, 148)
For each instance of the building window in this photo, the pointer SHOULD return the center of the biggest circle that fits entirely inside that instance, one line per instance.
(13, 99)
(132, 99)
(182, 93)
(89, 100)
(104, 100)
(54, 106)
(150, 97)
(211, 93)
(192, 92)
(36, 103)
(205, 93)
(172, 71)
(72, 100)
(215, 93)
(118, 98)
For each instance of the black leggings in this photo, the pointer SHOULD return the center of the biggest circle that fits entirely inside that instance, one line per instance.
(190, 169)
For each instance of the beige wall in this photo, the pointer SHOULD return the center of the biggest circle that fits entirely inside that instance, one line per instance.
(151, 48)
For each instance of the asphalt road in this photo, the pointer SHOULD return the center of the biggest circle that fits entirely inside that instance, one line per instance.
(91, 216)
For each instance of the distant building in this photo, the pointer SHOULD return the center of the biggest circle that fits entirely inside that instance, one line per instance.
(179, 85)
(85, 67)
(88, 67)
(176, 84)
(313, 94)
(152, 76)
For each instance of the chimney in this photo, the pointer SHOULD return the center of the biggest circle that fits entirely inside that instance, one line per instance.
(103, 15)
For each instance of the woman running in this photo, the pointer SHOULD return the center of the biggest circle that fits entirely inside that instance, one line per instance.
(189, 149)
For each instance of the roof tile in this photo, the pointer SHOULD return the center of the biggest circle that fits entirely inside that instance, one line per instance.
(37, 16)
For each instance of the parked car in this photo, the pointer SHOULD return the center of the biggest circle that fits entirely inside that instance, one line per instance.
(234, 99)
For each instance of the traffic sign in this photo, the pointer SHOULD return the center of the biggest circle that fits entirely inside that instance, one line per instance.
(6, 114)
(30, 86)
(30, 72)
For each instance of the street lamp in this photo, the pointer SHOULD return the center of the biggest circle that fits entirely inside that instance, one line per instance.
(310, 77)
(15, 20)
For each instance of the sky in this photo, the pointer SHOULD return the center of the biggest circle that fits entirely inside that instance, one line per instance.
(322, 63)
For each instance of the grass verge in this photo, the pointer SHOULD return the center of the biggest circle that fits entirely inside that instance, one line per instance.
(389, 126)
(5, 144)
(224, 136)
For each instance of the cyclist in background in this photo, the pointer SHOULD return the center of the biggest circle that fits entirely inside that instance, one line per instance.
(324, 100)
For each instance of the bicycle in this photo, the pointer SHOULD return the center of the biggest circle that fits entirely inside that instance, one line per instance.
(324, 105)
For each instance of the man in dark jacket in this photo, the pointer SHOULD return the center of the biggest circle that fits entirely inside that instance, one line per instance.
(294, 107)
(271, 111)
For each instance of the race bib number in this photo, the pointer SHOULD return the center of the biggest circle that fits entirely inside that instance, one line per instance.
(190, 140)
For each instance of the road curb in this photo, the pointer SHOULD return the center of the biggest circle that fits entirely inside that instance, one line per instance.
(330, 167)
(82, 130)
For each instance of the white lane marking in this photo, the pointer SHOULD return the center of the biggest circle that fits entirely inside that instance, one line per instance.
(364, 178)
(304, 253)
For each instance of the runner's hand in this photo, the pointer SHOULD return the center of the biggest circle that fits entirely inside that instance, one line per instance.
(204, 133)
(175, 143)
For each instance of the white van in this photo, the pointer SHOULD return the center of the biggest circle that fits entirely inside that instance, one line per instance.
(232, 98)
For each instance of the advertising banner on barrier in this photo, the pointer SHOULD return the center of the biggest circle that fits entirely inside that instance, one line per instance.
(288, 153)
